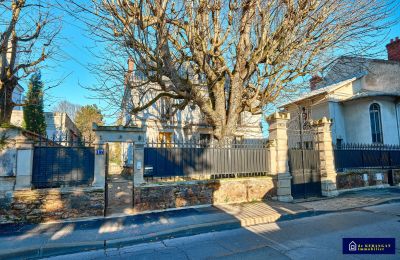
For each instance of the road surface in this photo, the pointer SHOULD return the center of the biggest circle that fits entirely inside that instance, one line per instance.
(318, 237)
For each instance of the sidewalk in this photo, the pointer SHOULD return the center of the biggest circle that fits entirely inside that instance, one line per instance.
(42, 240)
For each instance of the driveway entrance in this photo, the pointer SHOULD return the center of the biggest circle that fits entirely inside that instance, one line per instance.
(303, 158)
(117, 144)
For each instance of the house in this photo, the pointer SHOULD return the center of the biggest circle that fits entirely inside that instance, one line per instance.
(58, 125)
(163, 124)
(360, 95)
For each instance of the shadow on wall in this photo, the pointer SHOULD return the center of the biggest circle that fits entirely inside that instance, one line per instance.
(42, 205)
(143, 225)
(204, 192)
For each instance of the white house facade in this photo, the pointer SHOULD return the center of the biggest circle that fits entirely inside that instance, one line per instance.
(361, 96)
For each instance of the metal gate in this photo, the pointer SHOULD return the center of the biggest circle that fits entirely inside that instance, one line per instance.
(55, 165)
(303, 157)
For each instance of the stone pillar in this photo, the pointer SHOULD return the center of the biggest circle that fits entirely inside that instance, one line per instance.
(23, 178)
(99, 165)
(138, 163)
(278, 160)
(326, 157)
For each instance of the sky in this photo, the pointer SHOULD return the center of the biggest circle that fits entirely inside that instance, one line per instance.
(71, 65)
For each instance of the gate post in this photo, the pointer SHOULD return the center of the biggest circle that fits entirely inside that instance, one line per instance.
(23, 178)
(99, 179)
(138, 163)
(278, 159)
(327, 166)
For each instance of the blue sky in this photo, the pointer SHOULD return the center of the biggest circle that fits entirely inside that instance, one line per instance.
(72, 63)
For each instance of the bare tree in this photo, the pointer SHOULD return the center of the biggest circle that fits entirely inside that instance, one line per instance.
(225, 56)
(67, 107)
(27, 31)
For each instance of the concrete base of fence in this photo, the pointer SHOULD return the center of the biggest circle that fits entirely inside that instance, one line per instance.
(192, 193)
(361, 178)
(284, 192)
(328, 189)
(51, 204)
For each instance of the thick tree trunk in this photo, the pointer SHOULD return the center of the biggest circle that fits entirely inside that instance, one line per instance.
(6, 103)
(224, 134)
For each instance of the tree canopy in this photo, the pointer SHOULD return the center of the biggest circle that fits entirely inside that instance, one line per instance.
(85, 117)
(224, 56)
(27, 34)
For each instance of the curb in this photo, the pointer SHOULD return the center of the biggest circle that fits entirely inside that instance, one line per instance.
(70, 248)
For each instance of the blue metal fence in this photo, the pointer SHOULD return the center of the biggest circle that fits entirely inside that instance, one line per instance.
(358, 156)
(62, 162)
(206, 160)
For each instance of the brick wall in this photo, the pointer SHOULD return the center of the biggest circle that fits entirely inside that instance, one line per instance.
(176, 195)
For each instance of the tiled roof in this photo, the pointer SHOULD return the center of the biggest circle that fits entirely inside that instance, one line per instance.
(369, 93)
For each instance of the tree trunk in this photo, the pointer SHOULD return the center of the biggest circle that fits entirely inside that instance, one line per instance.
(6, 102)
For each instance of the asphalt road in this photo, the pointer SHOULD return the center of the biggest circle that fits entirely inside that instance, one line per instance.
(318, 237)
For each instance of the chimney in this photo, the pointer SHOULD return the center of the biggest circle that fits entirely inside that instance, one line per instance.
(393, 49)
(314, 82)
(131, 65)
(129, 74)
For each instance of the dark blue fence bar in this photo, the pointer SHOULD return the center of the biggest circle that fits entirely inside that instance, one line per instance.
(57, 165)
(357, 156)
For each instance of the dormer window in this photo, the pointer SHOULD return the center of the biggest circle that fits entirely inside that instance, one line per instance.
(376, 123)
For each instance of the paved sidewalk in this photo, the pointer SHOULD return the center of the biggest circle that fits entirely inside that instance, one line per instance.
(18, 241)
(21, 241)
(354, 199)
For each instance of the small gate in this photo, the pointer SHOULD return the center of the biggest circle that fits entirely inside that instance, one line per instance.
(57, 164)
(303, 158)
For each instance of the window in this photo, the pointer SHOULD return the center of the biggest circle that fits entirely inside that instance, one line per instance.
(376, 123)
(166, 108)
(205, 138)
(165, 139)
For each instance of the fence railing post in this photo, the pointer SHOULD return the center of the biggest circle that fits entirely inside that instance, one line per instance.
(278, 159)
(326, 157)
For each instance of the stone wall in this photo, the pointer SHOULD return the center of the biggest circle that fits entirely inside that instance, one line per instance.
(43, 205)
(396, 177)
(185, 194)
(354, 179)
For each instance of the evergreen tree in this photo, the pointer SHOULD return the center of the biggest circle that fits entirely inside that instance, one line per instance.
(33, 111)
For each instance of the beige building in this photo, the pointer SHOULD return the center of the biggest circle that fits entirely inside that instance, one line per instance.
(58, 125)
(163, 124)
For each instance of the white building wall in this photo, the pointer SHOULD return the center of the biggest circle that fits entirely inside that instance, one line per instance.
(319, 111)
(358, 125)
(17, 97)
(336, 113)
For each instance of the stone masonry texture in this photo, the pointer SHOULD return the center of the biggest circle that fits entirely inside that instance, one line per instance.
(176, 195)
(350, 180)
(43, 205)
